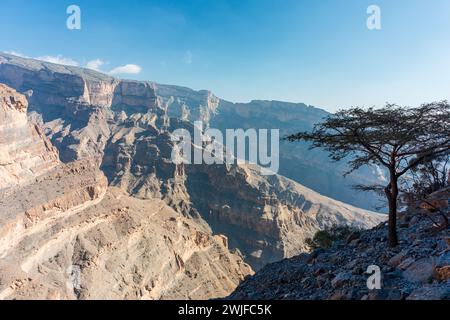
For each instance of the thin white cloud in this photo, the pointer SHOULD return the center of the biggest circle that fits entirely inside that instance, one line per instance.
(188, 57)
(17, 54)
(59, 59)
(95, 64)
(126, 69)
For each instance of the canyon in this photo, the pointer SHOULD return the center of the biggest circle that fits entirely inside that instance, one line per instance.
(92, 207)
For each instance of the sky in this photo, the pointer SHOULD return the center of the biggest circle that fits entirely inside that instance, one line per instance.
(317, 52)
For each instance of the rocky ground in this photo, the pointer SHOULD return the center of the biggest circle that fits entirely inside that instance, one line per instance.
(115, 247)
(418, 269)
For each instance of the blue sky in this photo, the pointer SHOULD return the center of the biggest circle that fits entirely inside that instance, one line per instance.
(317, 52)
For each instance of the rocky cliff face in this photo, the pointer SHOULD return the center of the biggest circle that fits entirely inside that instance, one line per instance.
(75, 105)
(187, 104)
(267, 218)
(311, 168)
(64, 234)
(75, 238)
(24, 150)
(130, 222)
(280, 214)
(76, 119)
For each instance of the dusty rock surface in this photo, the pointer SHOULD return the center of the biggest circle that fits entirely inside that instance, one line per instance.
(415, 270)
(24, 149)
(75, 238)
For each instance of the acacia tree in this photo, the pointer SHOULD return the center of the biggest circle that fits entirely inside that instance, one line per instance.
(397, 138)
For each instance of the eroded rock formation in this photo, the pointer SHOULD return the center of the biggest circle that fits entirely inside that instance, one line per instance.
(119, 219)
(75, 238)
(24, 150)
(64, 234)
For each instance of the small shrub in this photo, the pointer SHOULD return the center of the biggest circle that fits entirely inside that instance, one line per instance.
(325, 238)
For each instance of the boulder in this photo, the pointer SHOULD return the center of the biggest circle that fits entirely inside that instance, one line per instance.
(406, 263)
(341, 279)
(420, 271)
(443, 260)
(397, 259)
(431, 292)
(443, 273)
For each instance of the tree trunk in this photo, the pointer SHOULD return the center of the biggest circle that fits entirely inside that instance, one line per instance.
(392, 194)
(393, 241)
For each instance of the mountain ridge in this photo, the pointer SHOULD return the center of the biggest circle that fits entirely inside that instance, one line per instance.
(122, 129)
(312, 168)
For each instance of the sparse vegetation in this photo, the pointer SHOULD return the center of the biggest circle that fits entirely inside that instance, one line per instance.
(325, 238)
(431, 175)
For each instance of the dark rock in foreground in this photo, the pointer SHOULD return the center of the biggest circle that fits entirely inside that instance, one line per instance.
(418, 269)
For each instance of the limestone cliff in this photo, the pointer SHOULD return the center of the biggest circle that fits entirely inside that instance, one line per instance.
(64, 234)
(267, 218)
(311, 168)
(76, 118)
(127, 220)
(75, 238)
(24, 150)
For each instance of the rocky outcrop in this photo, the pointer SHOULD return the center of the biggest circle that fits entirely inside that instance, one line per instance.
(62, 190)
(25, 152)
(75, 105)
(64, 234)
(187, 104)
(418, 269)
(122, 217)
(76, 239)
(311, 168)
(267, 218)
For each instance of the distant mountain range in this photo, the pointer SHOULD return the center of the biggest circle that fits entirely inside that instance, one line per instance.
(91, 195)
(311, 168)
